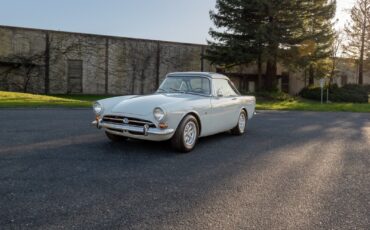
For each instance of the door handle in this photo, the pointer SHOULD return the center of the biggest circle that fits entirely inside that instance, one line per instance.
(234, 98)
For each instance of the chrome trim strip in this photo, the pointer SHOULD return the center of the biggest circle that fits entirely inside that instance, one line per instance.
(113, 119)
(140, 122)
(141, 130)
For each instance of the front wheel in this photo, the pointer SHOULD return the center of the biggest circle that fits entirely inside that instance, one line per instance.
(186, 135)
(239, 129)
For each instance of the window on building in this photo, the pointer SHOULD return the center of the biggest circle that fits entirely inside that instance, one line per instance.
(74, 76)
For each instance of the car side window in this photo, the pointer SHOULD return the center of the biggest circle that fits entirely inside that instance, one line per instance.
(224, 86)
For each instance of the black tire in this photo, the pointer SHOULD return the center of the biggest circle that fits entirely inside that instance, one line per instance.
(237, 130)
(178, 140)
(115, 138)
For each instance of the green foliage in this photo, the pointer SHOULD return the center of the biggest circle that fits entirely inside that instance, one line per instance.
(11, 99)
(15, 99)
(367, 88)
(308, 105)
(348, 93)
(314, 54)
(274, 95)
(313, 93)
(297, 32)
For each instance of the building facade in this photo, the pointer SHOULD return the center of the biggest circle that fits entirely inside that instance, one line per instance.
(55, 62)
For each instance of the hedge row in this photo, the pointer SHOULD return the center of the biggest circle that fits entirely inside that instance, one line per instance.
(274, 95)
(347, 93)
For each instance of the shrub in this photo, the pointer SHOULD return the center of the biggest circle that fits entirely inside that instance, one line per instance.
(350, 93)
(347, 93)
(274, 95)
(367, 88)
(313, 93)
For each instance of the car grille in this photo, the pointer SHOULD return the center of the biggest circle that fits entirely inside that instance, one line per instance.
(113, 119)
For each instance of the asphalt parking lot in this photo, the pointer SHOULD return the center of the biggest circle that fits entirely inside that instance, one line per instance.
(292, 170)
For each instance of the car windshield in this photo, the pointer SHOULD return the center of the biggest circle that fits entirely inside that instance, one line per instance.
(186, 84)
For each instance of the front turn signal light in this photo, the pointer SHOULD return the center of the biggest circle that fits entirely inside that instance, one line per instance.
(163, 125)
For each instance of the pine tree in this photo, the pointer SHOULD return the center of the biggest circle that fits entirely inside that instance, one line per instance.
(265, 31)
(241, 40)
(314, 53)
(358, 34)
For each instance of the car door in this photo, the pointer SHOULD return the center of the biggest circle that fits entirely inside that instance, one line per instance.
(225, 106)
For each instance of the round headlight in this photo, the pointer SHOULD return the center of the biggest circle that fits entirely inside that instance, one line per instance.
(98, 109)
(159, 114)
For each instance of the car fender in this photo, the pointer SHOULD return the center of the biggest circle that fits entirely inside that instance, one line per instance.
(109, 103)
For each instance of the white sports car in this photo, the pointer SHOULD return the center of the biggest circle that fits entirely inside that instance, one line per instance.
(187, 105)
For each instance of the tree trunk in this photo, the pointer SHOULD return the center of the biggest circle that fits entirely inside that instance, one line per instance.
(259, 63)
(311, 75)
(271, 70)
(361, 71)
(271, 65)
(361, 61)
(332, 71)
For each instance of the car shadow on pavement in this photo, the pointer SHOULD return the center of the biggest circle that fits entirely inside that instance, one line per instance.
(161, 148)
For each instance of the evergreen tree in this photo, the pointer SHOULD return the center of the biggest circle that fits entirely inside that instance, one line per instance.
(264, 31)
(241, 38)
(314, 53)
(358, 34)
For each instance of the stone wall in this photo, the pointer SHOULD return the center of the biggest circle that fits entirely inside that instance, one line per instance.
(21, 46)
(54, 62)
(109, 65)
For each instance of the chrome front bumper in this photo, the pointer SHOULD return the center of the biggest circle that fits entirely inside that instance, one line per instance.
(146, 133)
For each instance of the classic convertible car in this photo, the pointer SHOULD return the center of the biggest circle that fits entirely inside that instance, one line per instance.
(187, 105)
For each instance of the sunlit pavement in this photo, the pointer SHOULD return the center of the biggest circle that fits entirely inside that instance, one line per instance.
(292, 170)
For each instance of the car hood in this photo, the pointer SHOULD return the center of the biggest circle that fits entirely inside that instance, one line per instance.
(144, 105)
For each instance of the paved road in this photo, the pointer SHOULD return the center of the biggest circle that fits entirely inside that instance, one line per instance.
(292, 170)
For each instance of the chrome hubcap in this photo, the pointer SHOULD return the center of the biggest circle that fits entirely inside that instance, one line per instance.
(190, 133)
(242, 121)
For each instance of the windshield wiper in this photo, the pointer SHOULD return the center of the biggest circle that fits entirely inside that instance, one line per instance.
(177, 90)
(195, 93)
(162, 90)
(170, 90)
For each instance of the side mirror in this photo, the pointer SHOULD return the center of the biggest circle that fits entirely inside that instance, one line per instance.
(219, 93)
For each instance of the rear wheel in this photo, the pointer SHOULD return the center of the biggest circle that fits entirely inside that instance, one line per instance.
(240, 127)
(115, 138)
(186, 135)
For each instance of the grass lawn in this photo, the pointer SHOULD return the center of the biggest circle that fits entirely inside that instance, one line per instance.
(12, 99)
(308, 105)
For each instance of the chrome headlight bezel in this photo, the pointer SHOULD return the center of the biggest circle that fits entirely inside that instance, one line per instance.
(159, 114)
(98, 108)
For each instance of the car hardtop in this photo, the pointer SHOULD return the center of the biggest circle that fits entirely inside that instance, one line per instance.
(210, 75)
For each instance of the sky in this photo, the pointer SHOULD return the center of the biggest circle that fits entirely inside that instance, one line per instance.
(343, 7)
(169, 20)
